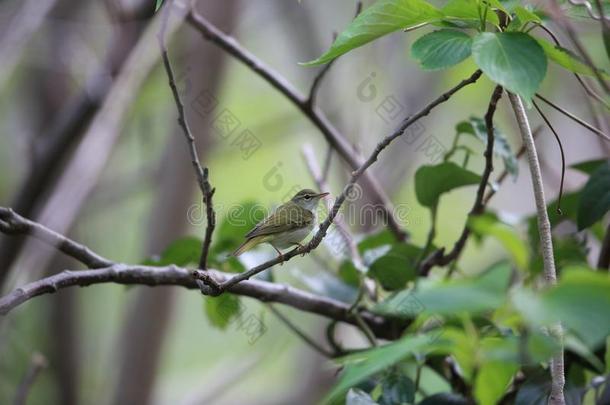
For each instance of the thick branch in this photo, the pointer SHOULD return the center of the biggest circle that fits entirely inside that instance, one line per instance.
(202, 174)
(317, 238)
(172, 275)
(315, 115)
(546, 241)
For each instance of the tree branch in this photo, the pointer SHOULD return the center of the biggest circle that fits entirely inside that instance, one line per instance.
(438, 258)
(217, 288)
(37, 364)
(315, 115)
(202, 174)
(603, 262)
(546, 241)
(178, 276)
(12, 223)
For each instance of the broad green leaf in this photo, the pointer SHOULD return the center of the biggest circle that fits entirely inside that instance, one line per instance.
(397, 267)
(397, 388)
(382, 18)
(493, 377)
(567, 251)
(376, 240)
(595, 198)
(473, 295)
(581, 301)
(222, 309)
(441, 49)
(362, 365)
(356, 396)
(513, 59)
(181, 252)
(524, 15)
(433, 181)
(607, 356)
(468, 11)
(566, 59)
(476, 126)
(485, 225)
(349, 274)
(606, 37)
(589, 166)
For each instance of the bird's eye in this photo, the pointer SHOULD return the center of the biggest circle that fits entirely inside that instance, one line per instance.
(307, 196)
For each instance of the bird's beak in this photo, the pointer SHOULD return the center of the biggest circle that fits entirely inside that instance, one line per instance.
(322, 195)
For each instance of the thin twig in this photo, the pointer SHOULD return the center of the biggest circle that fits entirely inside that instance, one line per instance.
(37, 364)
(316, 174)
(584, 85)
(546, 241)
(492, 191)
(317, 238)
(313, 91)
(12, 223)
(563, 156)
(438, 258)
(312, 343)
(202, 174)
(574, 118)
(314, 114)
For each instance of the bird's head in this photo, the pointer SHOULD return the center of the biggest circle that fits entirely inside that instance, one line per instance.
(307, 198)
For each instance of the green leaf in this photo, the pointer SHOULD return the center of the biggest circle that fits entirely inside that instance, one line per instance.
(475, 295)
(524, 15)
(467, 11)
(606, 37)
(397, 388)
(589, 166)
(382, 18)
(486, 225)
(595, 198)
(158, 5)
(362, 365)
(476, 126)
(433, 181)
(566, 59)
(376, 240)
(356, 396)
(397, 267)
(493, 377)
(441, 49)
(581, 301)
(222, 309)
(512, 59)
(349, 273)
(181, 252)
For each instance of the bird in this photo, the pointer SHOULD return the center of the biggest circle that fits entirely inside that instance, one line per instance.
(287, 226)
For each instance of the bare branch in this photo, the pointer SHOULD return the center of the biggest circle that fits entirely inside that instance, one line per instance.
(297, 331)
(317, 238)
(546, 241)
(317, 118)
(438, 258)
(202, 174)
(603, 262)
(14, 224)
(178, 276)
(37, 364)
(574, 118)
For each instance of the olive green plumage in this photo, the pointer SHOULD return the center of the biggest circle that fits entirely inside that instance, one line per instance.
(287, 226)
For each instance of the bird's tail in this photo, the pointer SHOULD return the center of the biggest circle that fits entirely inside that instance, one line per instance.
(247, 245)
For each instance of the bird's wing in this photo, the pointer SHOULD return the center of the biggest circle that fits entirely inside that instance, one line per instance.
(286, 218)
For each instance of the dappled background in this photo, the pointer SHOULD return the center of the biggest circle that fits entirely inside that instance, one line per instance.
(110, 344)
